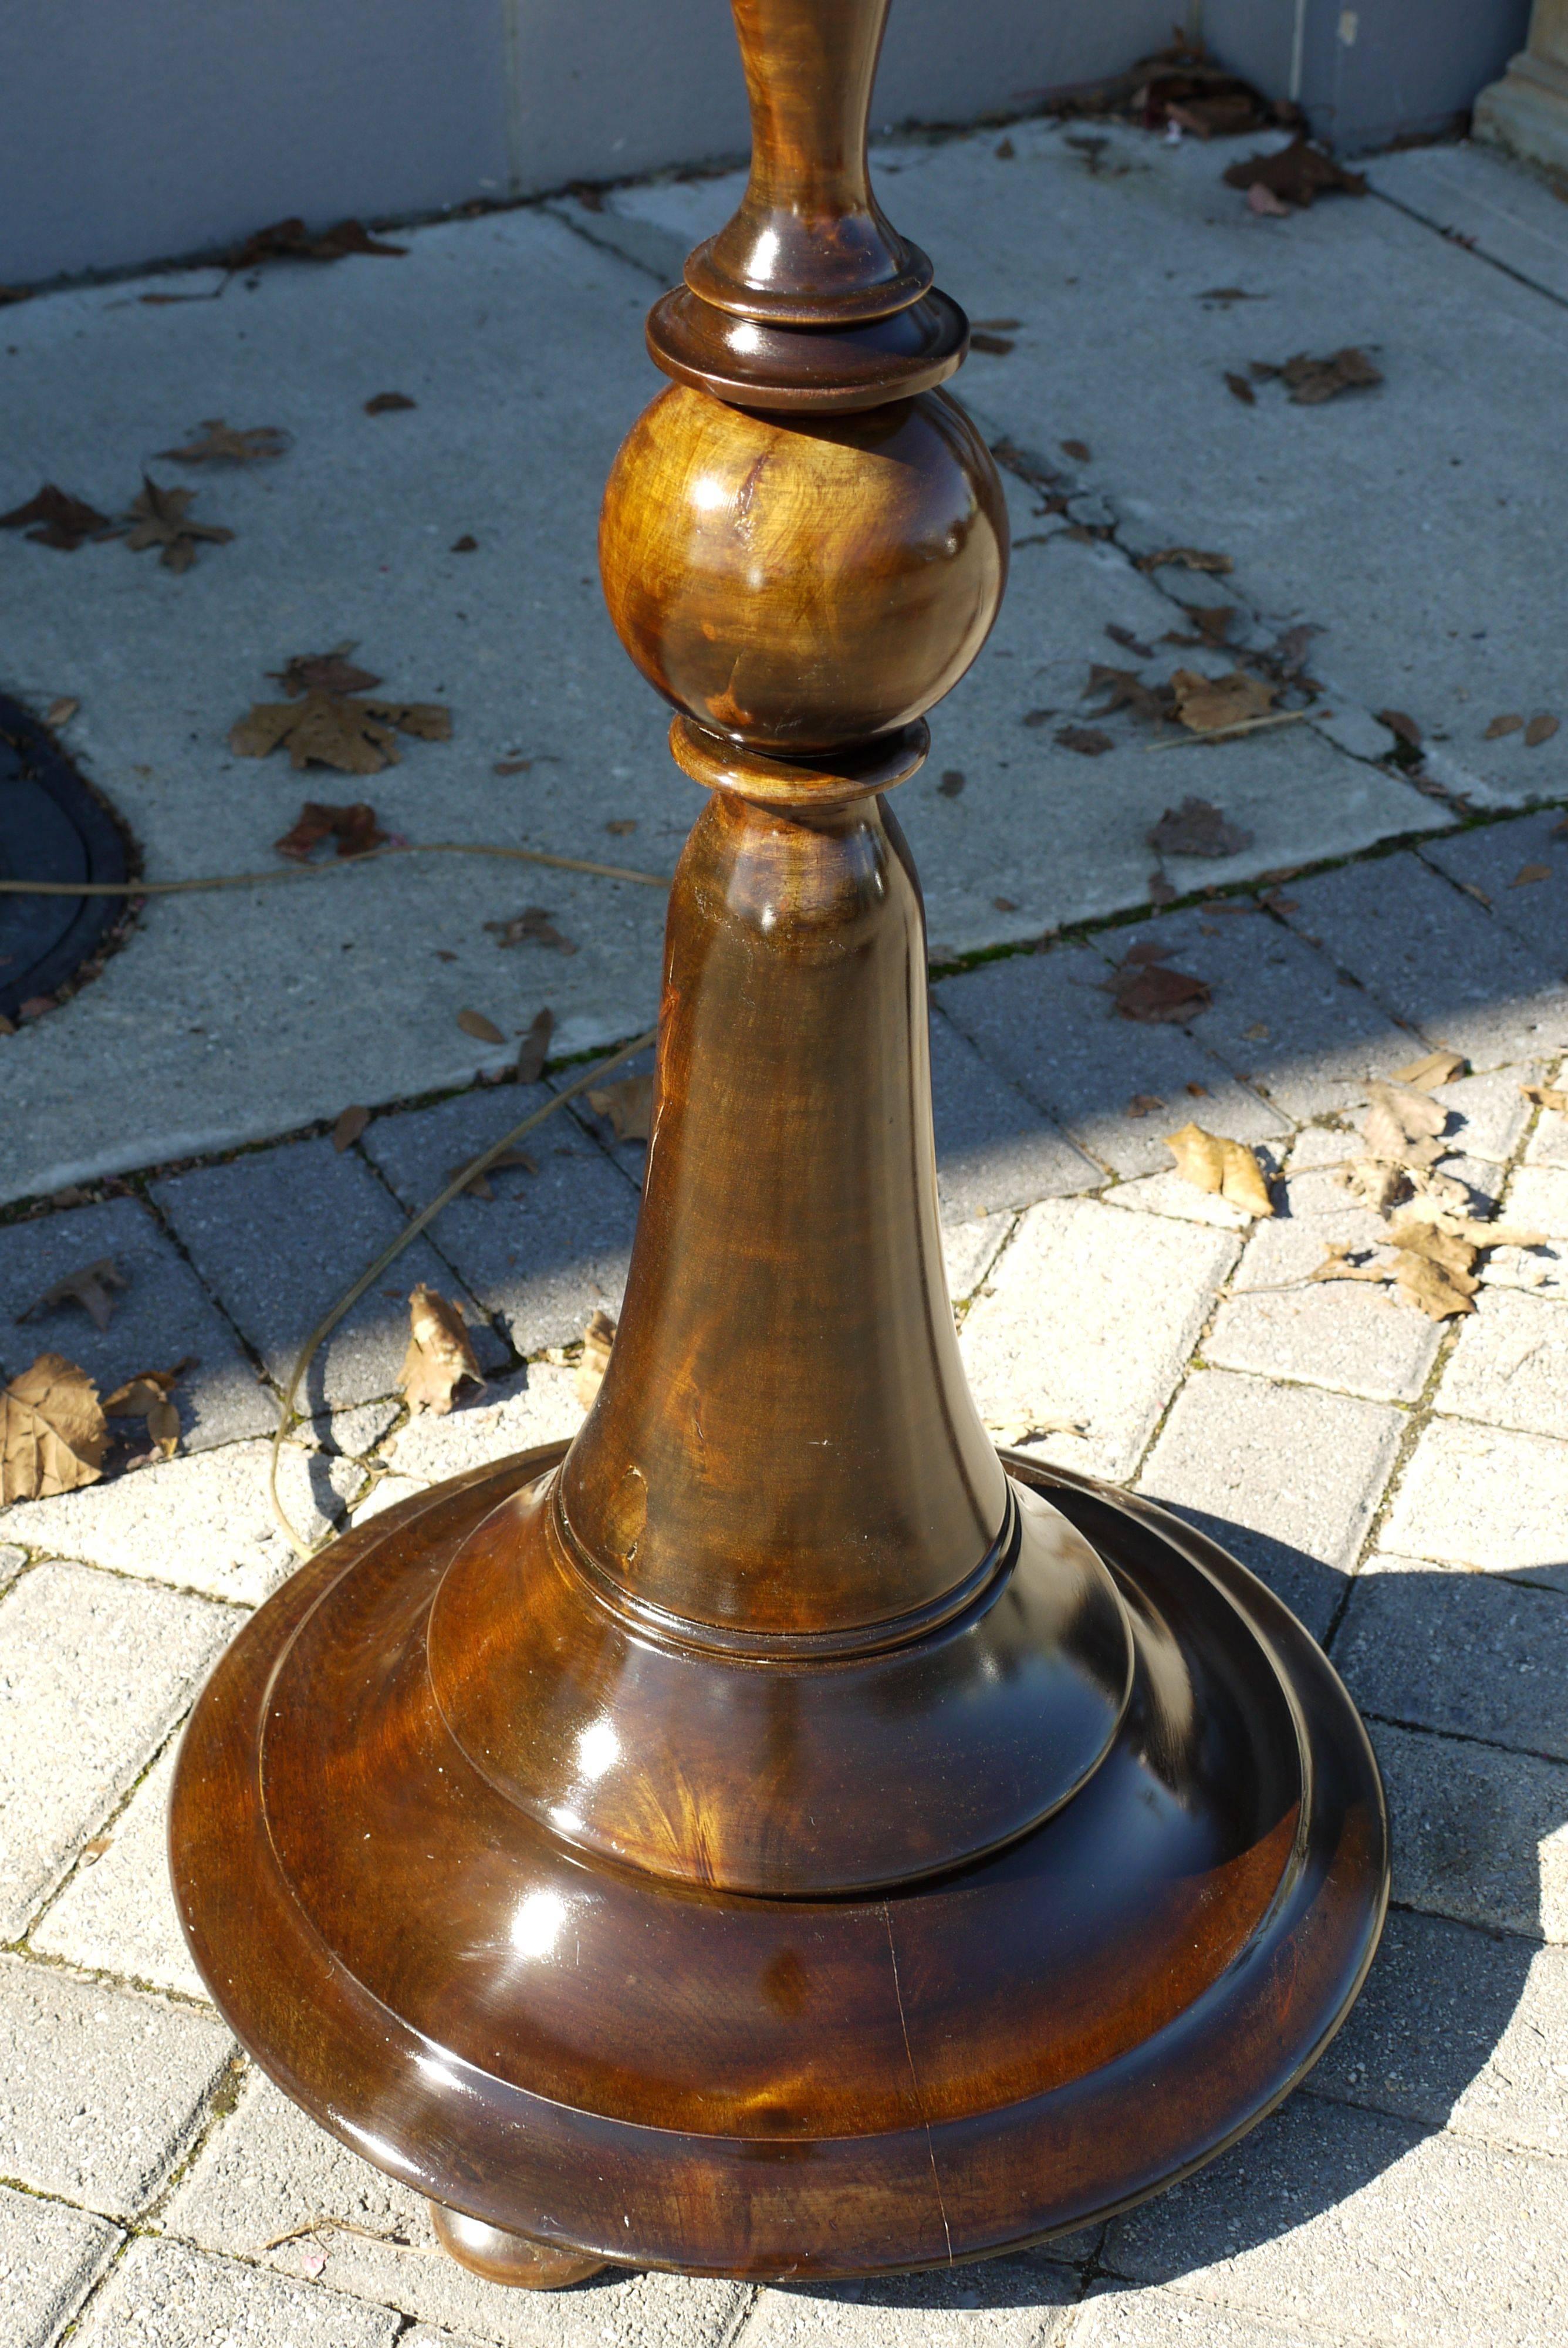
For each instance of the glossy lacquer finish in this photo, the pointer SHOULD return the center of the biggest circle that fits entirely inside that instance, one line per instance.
(779, 1837)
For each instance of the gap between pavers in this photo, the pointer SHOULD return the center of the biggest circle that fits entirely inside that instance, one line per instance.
(162, 2293)
(50, 2256)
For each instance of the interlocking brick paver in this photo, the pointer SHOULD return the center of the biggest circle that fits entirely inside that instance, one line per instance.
(538, 1405)
(629, 1156)
(162, 2295)
(1537, 1201)
(1486, 1497)
(100, 2090)
(1047, 1022)
(1286, 1478)
(116, 1913)
(1491, 1110)
(1478, 1835)
(992, 2304)
(1171, 1194)
(1465, 1652)
(160, 1316)
(1494, 858)
(280, 1234)
(268, 2168)
(1548, 1145)
(203, 1523)
(1335, 1147)
(549, 1248)
(1088, 1317)
(1117, 2315)
(1435, 958)
(12, 1561)
(969, 1250)
(1350, 2223)
(1282, 1016)
(93, 1673)
(49, 2255)
(994, 1149)
(1510, 1364)
(1461, 2028)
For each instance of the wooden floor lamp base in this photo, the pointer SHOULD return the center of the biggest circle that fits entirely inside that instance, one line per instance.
(619, 2069)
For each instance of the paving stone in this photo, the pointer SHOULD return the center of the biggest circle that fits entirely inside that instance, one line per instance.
(279, 1235)
(351, 1433)
(1169, 1194)
(1493, 1109)
(1493, 857)
(49, 2255)
(383, 1492)
(162, 2295)
(1537, 1201)
(991, 2303)
(1116, 2315)
(1548, 1145)
(1090, 1317)
(12, 1561)
(1461, 2028)
(161, 1315)
(969, 1250)
(1485, 1497)
(1286, 1477)
(1282, 1016)
(549, 1248)
(203, 1523)
(1278, 1322)
(1345, 2222)
(1046, 1022)
(1435, 959)
(1464, 1652)
(1478, 1835)
(100, 2090)
(268, 2169)
(1510, 1363)
(116, 1913)
(93, 1673)
(536, 1405)
(631, 1156)
(994, 1149)
(1321, 1148)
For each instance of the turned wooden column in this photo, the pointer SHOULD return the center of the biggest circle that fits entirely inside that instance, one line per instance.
(775, 1835)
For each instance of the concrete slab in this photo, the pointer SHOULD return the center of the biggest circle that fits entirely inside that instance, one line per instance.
(162, 2293)
(116, 1914)
(1478, 1835)
(1116, 2315)
(1486, 1499)
(1510, 1362)
(994, 1149)
(161, 1315)
(1537, 1201)
(103, 2089)
(1462, 1653)
(1522, 871)
(50, 2256)
(1285, 1477)
(94, 1671)
(1471, 194)
(990, 2303)
(279, 1234)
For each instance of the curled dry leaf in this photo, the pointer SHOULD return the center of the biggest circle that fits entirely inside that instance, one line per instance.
(1240, 388)
(1344, 1262)
(1124, 688)
(1297, 174)
(483, 1030)
(535, 925)
(1401, 723)
(1210, 1162)
(61, 712)
(1144, 1104)
(440, 1352)
(349, 1128)
(290, 240)
(159, 517)
(1375, 1182)
(328, 730)
(353, 828)
(1402, 1124)
(1191, 558)
(1207, 704)
(598, 1338)
(1148, 993)
(1198, 828)
(1546, 1096)
(147, 1396)
(1311, 381)
(628, 1106)
(388, 403)
(1507, 723)
(535, 1046)
(88, 1287)
(55, 519)
(328, 672)
(1087, 740)
(1540, 729)
(1432, 1069)
(53, 1432)
(222, 443)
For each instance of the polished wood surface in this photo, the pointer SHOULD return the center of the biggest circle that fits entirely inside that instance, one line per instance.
(775, 1835)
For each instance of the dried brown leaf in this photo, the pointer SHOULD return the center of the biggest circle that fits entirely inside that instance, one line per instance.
(1507, 723)
(53, 1432)
(349, 1128)
(327, 729)
(1403, 1126)
(1528, 873)
(628, 1106)
(223, 444)
(1432, 1069)
(1197, 829)
(1297, 174)
(158, 516)
(1144, 1104)
(329, 672)
(1207, 704)
(440, 1352)
(1546, 1096)
(1211, 1162)
(353, 828)
(1152, 994)
(290, 240)
(61, 712)
(1400, 722)
(1191, 558)
(478, 1185)
(535, 925)
(55, 519)
(1540, 729)
(1375, 1182)
(1311, 381)
(147, 1396)
(1440, 1292)
(88, 1287)
(598, 1339)
(388, 403)
(484, 1031)
(1087, 740)
(535, 1046)
(1240, 388)
(1341, 1263)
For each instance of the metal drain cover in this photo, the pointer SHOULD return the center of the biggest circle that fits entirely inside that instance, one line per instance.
(52, 828)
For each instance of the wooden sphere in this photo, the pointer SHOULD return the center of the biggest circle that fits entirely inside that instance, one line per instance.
(802, 583)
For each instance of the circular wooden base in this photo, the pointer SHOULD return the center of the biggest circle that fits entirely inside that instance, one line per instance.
(623, 2068)
(511, 2259)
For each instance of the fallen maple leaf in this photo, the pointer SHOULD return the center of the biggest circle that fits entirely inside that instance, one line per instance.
(1540, 729)
(1147, 993)
(484, 1031)
(53, 1432)
(54, 519)
(440, 1352)
(1402, 1124)
(88, 1287)
(353, 828)
(1191, 558)
(349, 1128)
(1432, 1069)
(1311, 381)
(1087, 740)
(628, 1106)
(533, 926)
(1197, 829)
(330, 730)
(535, 1044)
(1210, 1162)
(1206, 704)
(222, 443)
(1297, 174)
(1433, 1267)
(146, 1397)
(158, 516)
(1124, 688)
(1507, 723)
(1546, 1096)
(328, 672)
(598, 1339)
(289, 240)
(388, 403)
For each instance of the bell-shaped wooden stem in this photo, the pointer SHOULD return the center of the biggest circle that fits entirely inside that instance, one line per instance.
(809, 244)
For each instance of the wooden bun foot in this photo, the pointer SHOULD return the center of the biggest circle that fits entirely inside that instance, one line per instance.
(511, 2259)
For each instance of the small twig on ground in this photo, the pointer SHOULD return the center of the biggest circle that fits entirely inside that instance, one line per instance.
(1242, 725)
